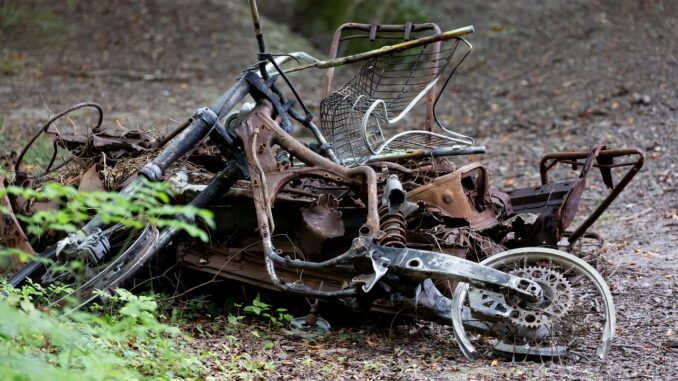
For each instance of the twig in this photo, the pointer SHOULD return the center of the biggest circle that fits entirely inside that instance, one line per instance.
(635, 215)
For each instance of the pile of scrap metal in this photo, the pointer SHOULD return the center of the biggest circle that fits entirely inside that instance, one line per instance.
(365, 216)
(435, 205)
(446, 209)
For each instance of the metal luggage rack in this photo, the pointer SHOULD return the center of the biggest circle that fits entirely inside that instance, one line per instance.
(365, 116)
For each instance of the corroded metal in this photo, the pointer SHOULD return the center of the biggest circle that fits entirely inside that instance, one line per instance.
(463, 193)
(12, 234)
(406, 29)
(325, 64)
(574, 266)
(604, 160)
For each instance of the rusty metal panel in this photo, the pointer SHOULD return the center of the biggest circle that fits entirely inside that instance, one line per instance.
(463, 193)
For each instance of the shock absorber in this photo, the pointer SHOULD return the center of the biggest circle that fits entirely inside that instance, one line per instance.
(391, 215)
(393, 226)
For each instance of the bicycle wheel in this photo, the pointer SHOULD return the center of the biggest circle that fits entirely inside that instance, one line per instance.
(128, 250)
(575, 321)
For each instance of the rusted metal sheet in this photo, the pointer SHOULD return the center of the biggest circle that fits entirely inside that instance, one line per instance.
(269, 178)
(321, 221)
(463, 193)
(115, 145)
(556, 203)
(248, 265)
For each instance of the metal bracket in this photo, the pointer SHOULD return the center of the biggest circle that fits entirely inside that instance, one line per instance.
(261, 89)
(488, 303)
(379, 265)
(421, 264)
(90, 249)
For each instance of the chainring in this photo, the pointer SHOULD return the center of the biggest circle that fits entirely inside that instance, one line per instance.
(558, 298)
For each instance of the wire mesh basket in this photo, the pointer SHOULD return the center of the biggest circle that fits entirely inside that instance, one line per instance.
(361, 118)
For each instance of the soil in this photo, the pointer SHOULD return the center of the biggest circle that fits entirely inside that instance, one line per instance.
(543, 76)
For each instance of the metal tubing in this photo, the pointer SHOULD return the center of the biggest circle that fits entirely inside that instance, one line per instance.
(427, 152)
(45, 127)
(611, 197)
(230, 98)
(325, 64)
(217, 187)
(197, 130)
(610, 154)
(177, 147)
(200, 126)
(544, 165)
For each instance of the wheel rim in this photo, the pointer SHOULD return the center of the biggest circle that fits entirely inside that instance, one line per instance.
(129, 252)
(591, 293)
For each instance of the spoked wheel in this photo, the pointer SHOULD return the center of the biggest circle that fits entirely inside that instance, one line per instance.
(128, 249)
(575, 321)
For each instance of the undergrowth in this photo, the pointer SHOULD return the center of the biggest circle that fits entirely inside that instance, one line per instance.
(129, 336)
(128, 343)
(124, 339)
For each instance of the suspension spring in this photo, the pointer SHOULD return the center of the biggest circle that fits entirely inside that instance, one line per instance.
(393, 225)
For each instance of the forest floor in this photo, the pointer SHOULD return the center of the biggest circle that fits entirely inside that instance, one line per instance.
(543, 77)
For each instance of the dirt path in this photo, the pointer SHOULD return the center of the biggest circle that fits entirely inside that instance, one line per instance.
(544, 76)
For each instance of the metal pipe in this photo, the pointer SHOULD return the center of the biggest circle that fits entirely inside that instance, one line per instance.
(200, 126)
(218, 186)
(427, 152)
(610, 198)
(326, 64)
(230, 98)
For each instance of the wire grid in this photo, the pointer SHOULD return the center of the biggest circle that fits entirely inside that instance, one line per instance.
(360, 118)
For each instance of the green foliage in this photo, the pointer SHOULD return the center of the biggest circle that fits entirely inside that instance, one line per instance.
(129, 343)
(149, 205)
(241, 365)
(278, 316)
(10, 15)
(125, 340)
